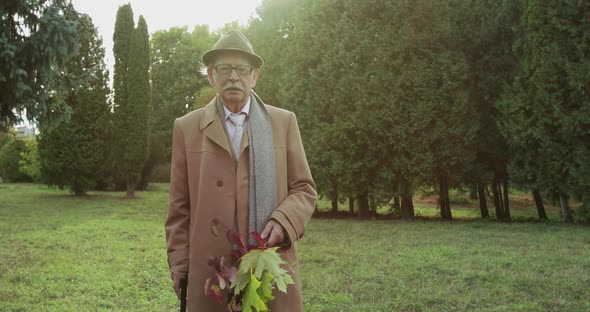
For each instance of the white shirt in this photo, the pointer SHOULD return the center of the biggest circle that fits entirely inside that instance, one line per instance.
(231, 128)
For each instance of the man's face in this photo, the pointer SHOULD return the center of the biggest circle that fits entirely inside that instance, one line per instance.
(233, 77)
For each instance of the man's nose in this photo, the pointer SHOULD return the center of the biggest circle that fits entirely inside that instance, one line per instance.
(233, 76)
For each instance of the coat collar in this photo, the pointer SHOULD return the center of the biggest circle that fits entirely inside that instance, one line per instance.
(213, 128)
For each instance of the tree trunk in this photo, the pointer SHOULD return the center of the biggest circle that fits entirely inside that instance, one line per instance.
(487, 189)
(77, 189)
(407, 208)
(334, 205)
(351, 205)
(473, 191)
(443, 197)
(506, 201)
(483, 205)
(363, 202)
(539, 204)
(130, 188)
(566, 213)
(372, 205)
(334, 200)
(497, 201)
(396, 204)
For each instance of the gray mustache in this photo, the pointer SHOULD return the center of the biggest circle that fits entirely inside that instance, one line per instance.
(232, 86)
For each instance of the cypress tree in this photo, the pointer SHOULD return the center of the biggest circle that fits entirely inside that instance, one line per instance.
(485, 32)
(132, 98)
(547, 108)
(124, 26)
(137, 112)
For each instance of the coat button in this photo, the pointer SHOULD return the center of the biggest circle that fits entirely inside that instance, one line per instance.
(215, 227)
(220, 183)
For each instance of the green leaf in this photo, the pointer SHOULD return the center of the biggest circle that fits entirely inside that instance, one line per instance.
(265, 290)
(260, 261)
(251, 300)
(240, 282)
(283, 280)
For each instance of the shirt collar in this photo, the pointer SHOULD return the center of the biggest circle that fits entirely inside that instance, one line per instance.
(245, 110)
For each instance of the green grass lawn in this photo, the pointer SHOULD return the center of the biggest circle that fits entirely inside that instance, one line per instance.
(107, 253)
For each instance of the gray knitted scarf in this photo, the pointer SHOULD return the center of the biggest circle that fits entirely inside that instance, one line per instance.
(262, 193)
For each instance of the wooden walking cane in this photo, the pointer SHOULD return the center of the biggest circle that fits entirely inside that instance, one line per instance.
(183, 285)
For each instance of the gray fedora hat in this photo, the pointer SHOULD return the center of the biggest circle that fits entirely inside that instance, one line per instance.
(232, 41)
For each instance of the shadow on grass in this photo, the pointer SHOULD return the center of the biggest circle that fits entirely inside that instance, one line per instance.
(74, 196)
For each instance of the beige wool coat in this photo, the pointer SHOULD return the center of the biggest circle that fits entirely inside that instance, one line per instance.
(206, 191)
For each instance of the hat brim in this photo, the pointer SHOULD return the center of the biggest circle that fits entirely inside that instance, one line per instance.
(210, 56)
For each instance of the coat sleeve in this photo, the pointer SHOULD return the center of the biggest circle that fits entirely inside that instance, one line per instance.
(178, 220)
(294, 212)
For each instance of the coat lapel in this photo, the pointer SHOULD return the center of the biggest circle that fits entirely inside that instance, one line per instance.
(212, 127)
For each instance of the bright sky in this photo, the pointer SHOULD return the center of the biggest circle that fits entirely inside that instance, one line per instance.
(161, 15)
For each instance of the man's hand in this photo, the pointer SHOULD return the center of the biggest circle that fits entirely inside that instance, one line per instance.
(176, 276)
(273, 233)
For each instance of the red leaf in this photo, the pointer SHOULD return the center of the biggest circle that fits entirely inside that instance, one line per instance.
(207, 286)
(224, 263)
(236, 253)
(235, 238)
(231, 274)
(221, 281)
(258, 238)
(215, 293)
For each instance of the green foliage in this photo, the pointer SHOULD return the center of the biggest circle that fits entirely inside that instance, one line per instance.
(257, 262)
(176, 75)
(6, 136)
(124, 26)
(10, 158)
(252, 301)
(37, 40)
(394, 94)
(30, 163)
(382, 102)
(132, 98)
(582, 213)
(204, 97)
(233, 25)
(137, 113)
(546, 110)
(486, 31)
(258, 272)
(265, 290)
(76, 154)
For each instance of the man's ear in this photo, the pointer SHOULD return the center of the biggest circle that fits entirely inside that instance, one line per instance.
(210, 76)
(255, 77)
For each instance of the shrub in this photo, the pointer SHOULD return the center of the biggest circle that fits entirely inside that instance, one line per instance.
(29, 163)
(161, 174)
(10, 156)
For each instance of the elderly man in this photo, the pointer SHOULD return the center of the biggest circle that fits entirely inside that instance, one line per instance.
(236, 163)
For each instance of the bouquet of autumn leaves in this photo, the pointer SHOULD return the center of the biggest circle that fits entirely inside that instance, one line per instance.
(250, 284)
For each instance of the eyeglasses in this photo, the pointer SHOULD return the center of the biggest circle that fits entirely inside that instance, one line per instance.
(226, 69)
